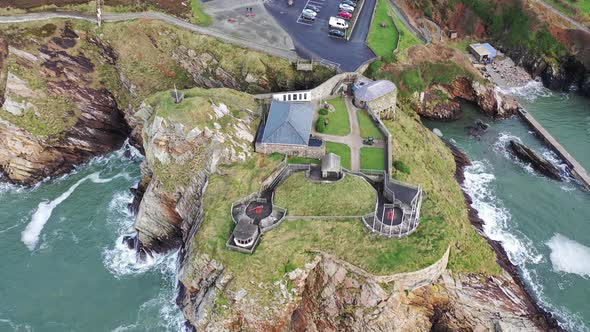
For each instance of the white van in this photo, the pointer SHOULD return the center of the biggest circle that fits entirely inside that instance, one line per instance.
(338, 23)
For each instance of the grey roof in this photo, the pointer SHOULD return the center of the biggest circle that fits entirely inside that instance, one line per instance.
(331, 163)
(374, 90)
(245, 230)
(288, 123)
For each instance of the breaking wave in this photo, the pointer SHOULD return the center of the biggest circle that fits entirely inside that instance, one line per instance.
(520, 250)
(530, 91)
(569, 256)
(479, 185)
(30, 236)
(123, 262)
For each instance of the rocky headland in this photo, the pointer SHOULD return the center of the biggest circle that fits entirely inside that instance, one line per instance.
(71, 93)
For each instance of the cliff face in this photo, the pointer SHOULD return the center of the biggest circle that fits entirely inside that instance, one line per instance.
(441, 102)
(52, 117)
(332, 295)
(181, 152)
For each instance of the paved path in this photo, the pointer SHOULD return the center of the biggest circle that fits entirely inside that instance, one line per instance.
(565, 16)
(354, 139)
(402, 16)
(117, 17)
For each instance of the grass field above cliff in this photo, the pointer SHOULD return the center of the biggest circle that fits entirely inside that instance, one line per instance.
(444, 221)
(301, 197)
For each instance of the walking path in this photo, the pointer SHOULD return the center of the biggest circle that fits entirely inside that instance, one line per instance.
(118, 17)
(564, 16)
(354, 140)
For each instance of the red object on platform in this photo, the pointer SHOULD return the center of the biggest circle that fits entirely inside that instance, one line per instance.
(390, 215)
(231, 20)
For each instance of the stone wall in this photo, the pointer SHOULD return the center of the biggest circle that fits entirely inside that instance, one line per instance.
(384, 107)
(315, 152)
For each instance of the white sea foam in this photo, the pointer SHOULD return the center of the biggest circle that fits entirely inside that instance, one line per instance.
(569, 256)
(530, 91)
(161, 312)
(520, 250)
(478, 184)
(30, 236)
(501, 146)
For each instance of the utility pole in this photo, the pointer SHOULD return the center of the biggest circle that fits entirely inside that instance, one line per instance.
(99, 12)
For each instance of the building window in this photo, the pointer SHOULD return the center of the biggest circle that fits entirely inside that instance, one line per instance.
(289, 97)
(299, 96)
(305, 96)
(294, 96)
(284, 97)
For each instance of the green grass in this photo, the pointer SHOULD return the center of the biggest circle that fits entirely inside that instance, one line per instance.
(419, 77)
(444, 222)
(338, 123)
(302, 160)
(579, 10)
(373, 158)
(352, 196)
(342, 150)
(383, 41)
(199, 15)
(368, 127)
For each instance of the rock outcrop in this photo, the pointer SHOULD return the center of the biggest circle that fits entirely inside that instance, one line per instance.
(179, 158)
(537, 162)
(332, 295)
(37, 142)
(441, 102)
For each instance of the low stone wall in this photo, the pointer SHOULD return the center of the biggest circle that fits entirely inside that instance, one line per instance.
(402, 281)
(324, 90)
(292, 150)
(389, 140)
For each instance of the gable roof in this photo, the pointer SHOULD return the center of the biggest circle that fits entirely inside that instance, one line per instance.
(374, 90)
(331, 163)
(288, 123)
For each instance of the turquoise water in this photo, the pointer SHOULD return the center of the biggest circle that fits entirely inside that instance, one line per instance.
(543, 224)
(63, 267)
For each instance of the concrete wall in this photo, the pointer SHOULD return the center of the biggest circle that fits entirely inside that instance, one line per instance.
(292, 150)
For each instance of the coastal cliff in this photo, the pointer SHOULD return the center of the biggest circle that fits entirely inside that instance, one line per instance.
(54, 113)
(199, 158)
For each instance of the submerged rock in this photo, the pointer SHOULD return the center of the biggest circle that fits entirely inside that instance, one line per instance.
(538, 163)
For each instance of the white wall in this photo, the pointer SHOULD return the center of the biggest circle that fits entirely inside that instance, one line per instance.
(293, 96)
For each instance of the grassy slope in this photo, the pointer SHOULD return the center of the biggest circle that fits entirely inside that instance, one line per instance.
(339, 123)
(444, 221)
(302, 197)
(193, 112)
(146, 59)
(373, 158)
(199, 16)
(579, 10)
(383, 41)
(433, 167)
(368, 127)
(342, 150)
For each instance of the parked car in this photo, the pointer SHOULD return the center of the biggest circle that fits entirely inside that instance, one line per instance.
(314, 8)
(345, 15)
(350, 3)
(346, 8)
(308, 16)
(337, 23)
(309, 12)
(337, 33)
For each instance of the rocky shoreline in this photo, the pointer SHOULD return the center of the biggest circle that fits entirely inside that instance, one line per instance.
(542, 317)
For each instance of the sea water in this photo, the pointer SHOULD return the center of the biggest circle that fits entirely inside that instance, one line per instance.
(63, 265)
(543, 224)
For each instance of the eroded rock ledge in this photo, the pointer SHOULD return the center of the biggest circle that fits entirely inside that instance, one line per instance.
(442, 102)
(94, 124)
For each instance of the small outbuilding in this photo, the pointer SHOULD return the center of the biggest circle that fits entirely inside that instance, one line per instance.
(483, 52)
(245, 234)
(331, 166)
(378, 96)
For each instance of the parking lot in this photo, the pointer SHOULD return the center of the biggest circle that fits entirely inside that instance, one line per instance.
(311, 38)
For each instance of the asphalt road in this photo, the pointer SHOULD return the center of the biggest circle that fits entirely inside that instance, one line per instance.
(313, 42)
